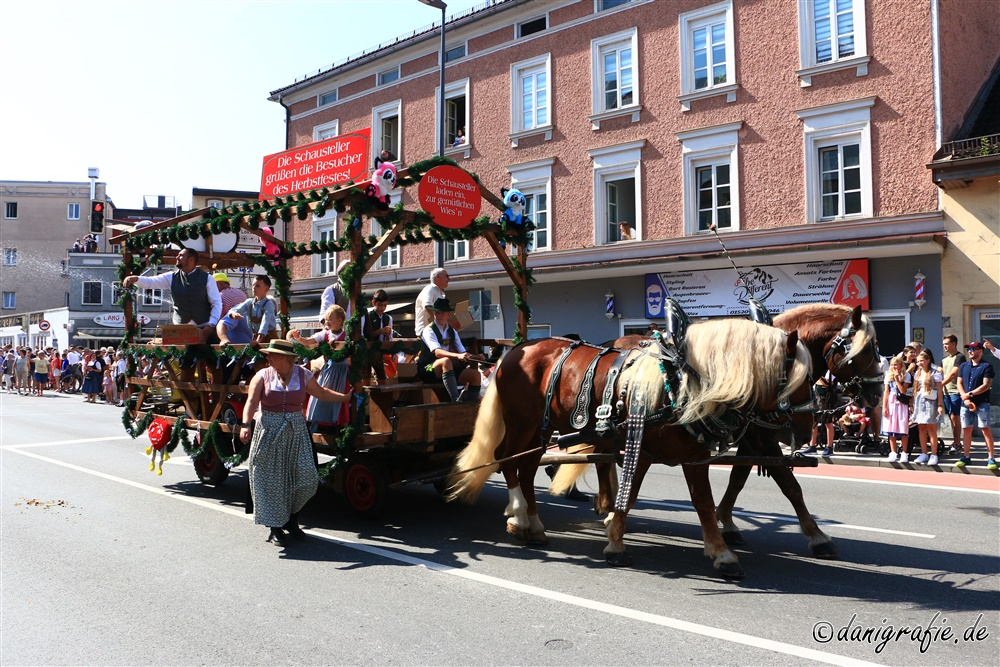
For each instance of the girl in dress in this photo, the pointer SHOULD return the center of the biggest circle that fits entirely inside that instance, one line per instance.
(896, 413)
(333, 374)
(928, 405)
(108, 386)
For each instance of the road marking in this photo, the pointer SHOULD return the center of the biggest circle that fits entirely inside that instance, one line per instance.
(68, 442)
(594, 605)
(792, 519)
(926, 485)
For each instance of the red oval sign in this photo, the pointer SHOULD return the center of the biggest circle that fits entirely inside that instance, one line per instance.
(450, 195)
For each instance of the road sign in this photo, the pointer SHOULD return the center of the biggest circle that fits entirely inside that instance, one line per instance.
(44, 325)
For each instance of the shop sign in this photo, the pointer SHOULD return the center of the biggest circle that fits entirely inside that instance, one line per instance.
(450, 195)
(720, 293)
(117, 320)
(318, 165)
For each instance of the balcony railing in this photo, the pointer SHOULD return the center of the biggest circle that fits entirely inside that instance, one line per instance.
(966, 148)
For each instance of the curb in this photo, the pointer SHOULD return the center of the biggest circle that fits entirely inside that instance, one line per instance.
(975, 468)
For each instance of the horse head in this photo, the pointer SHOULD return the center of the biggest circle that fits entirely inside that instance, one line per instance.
(852, 356)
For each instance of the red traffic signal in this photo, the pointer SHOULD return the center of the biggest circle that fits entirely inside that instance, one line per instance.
(97, 217)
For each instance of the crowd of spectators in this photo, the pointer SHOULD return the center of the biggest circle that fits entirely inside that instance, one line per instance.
(98, 374)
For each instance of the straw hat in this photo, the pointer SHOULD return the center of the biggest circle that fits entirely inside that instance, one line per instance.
(279, 346)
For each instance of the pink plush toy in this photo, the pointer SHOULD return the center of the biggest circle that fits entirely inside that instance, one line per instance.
(383, 181)
(270, 249)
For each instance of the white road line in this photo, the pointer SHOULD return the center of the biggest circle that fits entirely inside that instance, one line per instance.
(68, 442)
(935, 487)
(615, 610)
(792, 519)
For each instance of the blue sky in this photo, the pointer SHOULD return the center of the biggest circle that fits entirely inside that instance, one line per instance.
(163, 96)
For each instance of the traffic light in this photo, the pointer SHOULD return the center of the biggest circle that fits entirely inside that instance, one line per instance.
(97, 217)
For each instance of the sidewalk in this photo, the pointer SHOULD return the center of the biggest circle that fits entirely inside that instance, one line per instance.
(946, 463)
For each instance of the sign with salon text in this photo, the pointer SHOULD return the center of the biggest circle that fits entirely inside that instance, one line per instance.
(318, 165)
(720, 293)
(450, 195)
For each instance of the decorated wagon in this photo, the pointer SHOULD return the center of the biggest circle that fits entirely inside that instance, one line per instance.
(192, 394)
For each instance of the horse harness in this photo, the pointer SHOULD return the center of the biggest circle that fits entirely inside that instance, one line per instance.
(842, 344)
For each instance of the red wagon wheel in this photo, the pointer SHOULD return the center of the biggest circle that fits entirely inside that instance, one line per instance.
(365, 485)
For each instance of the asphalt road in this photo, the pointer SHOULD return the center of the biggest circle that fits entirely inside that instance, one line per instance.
(105, 563)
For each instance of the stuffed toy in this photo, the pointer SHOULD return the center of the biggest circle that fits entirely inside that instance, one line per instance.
(270, 249)
(383, 180)
(515, 204)
(159, 436)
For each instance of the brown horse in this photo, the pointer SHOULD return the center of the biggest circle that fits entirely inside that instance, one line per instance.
(735, 365)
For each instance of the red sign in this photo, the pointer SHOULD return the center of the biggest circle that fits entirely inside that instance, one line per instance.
(450, 195)
(319, 165)
(853, 287)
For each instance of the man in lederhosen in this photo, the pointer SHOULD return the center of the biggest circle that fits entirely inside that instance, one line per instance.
(376, 326)
(443, 356)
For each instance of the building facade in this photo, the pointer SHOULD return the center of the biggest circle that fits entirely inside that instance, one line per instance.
(800, 130)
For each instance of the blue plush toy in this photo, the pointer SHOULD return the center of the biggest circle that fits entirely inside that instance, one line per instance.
(515, 204)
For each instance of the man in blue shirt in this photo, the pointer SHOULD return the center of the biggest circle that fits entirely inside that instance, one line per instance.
(259, 312)
(975, 377)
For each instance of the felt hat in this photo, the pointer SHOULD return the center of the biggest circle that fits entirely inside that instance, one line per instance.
(441, 305)
(279, 346)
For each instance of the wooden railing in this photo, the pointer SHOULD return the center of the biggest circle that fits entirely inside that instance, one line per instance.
(975, 147)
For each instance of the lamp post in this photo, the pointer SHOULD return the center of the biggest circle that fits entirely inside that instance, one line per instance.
(438, 4)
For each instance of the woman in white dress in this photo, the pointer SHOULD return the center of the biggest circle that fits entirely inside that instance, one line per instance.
(928, 405)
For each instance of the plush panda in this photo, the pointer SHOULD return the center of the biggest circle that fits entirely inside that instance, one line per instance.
(514, 203)
(383, 181)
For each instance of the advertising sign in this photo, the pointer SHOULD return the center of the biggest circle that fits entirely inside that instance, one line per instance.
(117, 320)
(719, 293)
(450, 195)
(322, 164)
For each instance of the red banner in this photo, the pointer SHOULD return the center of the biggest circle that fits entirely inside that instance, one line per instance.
(322, 164)
(450, 195)
(853, 287)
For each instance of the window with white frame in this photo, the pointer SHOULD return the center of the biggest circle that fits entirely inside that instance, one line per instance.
(388, 128)
(615, 72)
(152, 297)
(73, 211)
(530, 90)
(92, 293)
(534, 180)
(329, 97)
(326, 130)
(455, 250)
(10, 256)
(838, 160)
(456, 109)
(324, 230)
(116, 292)
(617, 194)
(708, 53)
(610, 4)
(454, 53)
(10, 210)
(832, 36)
(532, 26)
(215, 203)
(390, 258)
(539, 331)
(711, 177)
(9, 300)
(388, 76)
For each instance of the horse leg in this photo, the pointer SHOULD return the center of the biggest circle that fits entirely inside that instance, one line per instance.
(724, 512)
(607, 487)
(724, 560)
(614, 553)
(819, 542)
(535, 533)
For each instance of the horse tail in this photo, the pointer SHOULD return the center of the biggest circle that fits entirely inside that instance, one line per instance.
(568, 473)
(480, 451)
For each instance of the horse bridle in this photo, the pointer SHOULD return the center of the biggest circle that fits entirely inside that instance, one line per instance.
(841, 344)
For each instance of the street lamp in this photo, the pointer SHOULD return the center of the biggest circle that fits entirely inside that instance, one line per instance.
(438, 4)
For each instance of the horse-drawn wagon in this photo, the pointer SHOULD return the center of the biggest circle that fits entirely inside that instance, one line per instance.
(397, 431)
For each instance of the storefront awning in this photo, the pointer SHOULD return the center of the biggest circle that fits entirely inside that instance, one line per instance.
(110, 334)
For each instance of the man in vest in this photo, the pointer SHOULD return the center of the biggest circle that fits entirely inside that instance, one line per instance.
(195, 295)
(443, 356)
(376, 325)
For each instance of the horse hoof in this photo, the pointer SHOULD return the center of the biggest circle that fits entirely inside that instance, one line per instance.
(618, 559)
(733, 538)
(733, 571)
(824, 550)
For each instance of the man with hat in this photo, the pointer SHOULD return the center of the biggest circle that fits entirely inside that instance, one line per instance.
(443, 356)
(974, 380)
(231, 297)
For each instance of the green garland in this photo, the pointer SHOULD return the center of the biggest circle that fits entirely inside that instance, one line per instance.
(135, 429)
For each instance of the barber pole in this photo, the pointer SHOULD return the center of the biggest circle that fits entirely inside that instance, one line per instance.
(918, 289)
(609, 305)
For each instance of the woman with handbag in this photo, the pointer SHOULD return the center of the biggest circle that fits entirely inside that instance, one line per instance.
(928, 405)
(896, 408)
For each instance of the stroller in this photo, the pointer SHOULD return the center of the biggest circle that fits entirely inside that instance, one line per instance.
(856, 431)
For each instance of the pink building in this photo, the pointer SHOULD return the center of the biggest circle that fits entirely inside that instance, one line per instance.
(800, 129)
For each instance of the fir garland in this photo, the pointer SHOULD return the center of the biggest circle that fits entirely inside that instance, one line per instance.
(135, 429)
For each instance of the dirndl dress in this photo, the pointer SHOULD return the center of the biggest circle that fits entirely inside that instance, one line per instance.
(898, 420)
(333, 376)
(925, 403)
(283, 474)
(92, 382)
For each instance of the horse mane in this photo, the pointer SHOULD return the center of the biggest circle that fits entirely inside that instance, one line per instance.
(820, 322)
(737, 363)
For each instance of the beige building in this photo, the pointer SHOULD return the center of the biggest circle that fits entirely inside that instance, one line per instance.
(800, 129)
(40, 223)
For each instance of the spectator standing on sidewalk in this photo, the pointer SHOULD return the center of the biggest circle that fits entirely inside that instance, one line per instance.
(952, 401)
(975, 378)
(928, 406)
(896, 412)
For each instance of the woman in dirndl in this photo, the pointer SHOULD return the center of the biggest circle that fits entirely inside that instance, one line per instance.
(93, 366)
(283, 474)
(896, 411)
(333, 374)
(928, 405)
